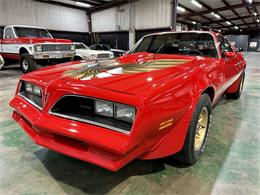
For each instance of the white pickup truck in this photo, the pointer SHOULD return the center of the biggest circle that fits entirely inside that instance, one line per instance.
(33, 45)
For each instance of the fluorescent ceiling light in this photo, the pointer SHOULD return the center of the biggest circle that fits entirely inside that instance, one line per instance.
(219, 30)
(236, 27)
(241, 30)
(250, 1)
(181, 9)
(194, 22)
(227, 22)
(82, 4)
(215, 15)
(197, 4)
(255, 14)
(258, 20)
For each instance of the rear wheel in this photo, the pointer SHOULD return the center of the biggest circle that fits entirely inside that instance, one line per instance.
(197, 134)
(238, 93)
(27, 64)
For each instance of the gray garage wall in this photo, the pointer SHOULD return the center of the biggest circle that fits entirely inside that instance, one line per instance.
(149, 14)
(54, 17)
(240, 40)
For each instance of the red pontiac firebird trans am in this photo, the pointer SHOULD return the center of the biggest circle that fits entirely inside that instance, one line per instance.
(154, 102)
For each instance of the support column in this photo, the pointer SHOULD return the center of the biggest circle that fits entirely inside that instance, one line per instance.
(131, 24)
(90, 28)
(174, 14)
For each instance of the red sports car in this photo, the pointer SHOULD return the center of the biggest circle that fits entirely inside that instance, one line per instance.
(154, 102)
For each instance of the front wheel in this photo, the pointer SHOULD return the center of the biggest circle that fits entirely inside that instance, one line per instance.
(197, 133)
(27, 64)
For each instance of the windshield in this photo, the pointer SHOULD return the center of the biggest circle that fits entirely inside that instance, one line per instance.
(81, 46)
(193, 44)
(31, 32)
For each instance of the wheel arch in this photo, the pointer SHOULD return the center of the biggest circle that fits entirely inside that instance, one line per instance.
(210, 91)
(22, 51)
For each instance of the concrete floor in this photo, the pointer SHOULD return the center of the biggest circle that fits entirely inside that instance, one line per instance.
(230, 164)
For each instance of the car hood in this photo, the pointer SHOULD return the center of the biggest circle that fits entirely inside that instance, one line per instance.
(37, 40)
(130, 74)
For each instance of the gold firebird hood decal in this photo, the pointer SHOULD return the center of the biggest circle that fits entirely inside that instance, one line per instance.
(90, 70)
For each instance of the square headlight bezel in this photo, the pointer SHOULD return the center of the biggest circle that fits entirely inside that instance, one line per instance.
(116, 105)
(102, 114)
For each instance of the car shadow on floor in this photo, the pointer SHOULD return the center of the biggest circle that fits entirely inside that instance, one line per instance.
(92, 179)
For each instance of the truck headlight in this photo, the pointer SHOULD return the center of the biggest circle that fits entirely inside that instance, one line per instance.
(38, 48)
(104, 108)
(93, 56)
(72, 47)
(112, 55)
(124, 113)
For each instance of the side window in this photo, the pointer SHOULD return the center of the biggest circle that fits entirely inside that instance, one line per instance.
(224, 46)
(9, 33)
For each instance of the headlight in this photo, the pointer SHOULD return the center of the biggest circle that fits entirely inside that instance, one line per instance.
(124, 113)
(37, 91)
(118, 111)
(112, 55)
(104, 108)
(93, 56)
(72, 47)
(38, 48)
(30, 88)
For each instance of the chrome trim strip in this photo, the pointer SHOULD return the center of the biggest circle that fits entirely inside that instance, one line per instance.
(30, 101)
(88, 121)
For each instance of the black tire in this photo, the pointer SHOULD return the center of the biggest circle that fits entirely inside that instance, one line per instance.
(77, 58)
(27, 64)
(238, 93)
(189, 155)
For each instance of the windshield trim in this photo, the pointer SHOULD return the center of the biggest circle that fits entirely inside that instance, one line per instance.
(163, 33)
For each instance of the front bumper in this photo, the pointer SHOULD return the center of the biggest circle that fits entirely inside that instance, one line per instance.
(86, 142)
(54, 55)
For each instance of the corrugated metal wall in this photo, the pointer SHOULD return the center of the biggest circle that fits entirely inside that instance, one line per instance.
(110, 20)
(41, 14)
(149, 14)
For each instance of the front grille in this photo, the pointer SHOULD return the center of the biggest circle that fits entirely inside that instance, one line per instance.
(56, 47)
(81, 109)
(103, 55)
(30, 97)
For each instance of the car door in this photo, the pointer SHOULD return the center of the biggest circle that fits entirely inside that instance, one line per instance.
(9, 48)
(229, 63)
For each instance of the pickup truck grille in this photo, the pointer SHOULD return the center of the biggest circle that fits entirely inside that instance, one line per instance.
(56, 47)
(103, 55)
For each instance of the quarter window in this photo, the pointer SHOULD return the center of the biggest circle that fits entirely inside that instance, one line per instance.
(224, 46)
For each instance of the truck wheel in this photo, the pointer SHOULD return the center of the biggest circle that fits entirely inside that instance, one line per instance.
(27, 64)
(238, 93)
(77, 58)
(197, 133)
